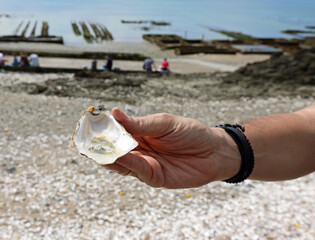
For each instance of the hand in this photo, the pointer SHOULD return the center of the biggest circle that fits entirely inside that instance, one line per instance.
(176, 152)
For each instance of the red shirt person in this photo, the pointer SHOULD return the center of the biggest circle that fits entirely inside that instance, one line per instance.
(164, 66)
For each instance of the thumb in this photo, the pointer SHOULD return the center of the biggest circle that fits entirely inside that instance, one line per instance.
(154, 125)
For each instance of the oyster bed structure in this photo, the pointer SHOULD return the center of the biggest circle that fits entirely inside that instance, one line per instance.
(100, 137)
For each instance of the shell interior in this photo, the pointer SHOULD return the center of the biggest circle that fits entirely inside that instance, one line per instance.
(100, 137)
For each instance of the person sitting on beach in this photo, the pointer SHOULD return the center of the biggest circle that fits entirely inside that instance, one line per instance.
(34, 60)
(94, 65)
(179, 152)
(148, 64)
(164, 66)
(24, 61)
(2, 59)
(16, 62)
(109, 63)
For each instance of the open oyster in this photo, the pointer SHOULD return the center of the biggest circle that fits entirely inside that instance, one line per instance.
(100, 137)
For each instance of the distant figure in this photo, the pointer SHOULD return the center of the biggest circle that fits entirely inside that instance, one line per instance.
(148, 63)
(16, 62)
(2, 60)
(94, 65)
(21, 56)
(109, 63)
(164, 66)
(34, 60)
(24, 61)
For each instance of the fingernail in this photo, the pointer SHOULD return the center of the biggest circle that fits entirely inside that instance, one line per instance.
(119, 115)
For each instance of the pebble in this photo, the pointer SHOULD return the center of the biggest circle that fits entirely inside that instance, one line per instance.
(57, 194)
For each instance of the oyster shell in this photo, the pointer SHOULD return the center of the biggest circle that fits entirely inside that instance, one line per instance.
(100, 137)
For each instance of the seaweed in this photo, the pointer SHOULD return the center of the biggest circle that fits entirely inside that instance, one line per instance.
(25, 29)
(100, 32)
(133, 22)
(235, 35)
(296, 32)
(76, 29)
(86, 33)
(45, 28)
(106, 35)
(146, 29)
(16, 31)
(5, 15)
(161, 23)
(96, 30)
(34, 30)
(84, 55)
(156, 23)
(36, 39)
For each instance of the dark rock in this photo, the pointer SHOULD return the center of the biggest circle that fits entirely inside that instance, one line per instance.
(74, 162)
(287, 71)
(11, 170)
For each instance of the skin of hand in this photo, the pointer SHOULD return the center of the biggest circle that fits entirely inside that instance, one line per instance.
(176, 152)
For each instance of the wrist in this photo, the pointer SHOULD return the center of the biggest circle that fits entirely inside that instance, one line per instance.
(227, 155)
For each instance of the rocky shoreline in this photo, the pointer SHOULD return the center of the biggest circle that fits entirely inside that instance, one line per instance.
(290, 75)
(293, 73)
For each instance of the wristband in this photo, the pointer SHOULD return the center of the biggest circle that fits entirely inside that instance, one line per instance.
(246, 151)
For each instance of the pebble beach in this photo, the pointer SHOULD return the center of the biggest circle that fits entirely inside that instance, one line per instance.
(229, 61)
(48, 191)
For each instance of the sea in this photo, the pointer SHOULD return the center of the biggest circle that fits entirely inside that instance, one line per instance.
(187, 18)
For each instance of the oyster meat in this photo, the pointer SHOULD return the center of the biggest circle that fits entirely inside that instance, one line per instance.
(100, 137)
